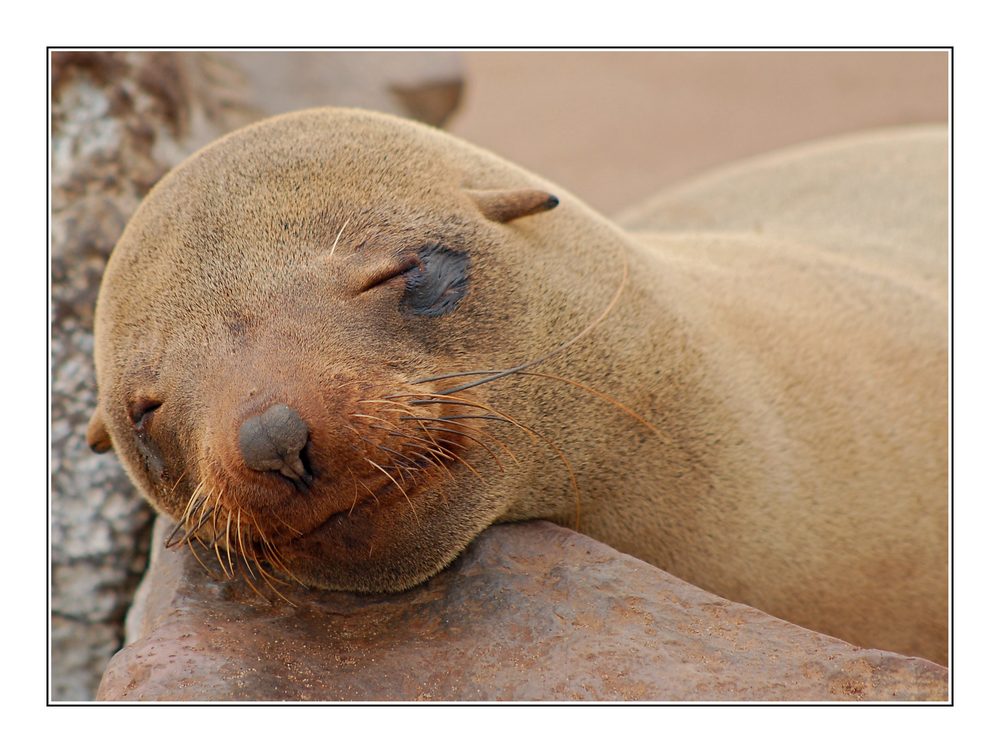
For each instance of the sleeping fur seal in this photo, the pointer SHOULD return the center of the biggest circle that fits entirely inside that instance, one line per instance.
(335, 346)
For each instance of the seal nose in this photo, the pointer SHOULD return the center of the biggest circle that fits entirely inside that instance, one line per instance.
(274, 441)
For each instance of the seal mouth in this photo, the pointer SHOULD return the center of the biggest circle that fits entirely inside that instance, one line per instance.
(264, 518)
(388, 492)
(388, 495)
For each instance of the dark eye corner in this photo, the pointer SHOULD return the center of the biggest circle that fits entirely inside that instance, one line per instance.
(141, 410)
(440, 283)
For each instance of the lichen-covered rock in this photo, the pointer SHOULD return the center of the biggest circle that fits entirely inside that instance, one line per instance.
(530, 612)
(120, 120)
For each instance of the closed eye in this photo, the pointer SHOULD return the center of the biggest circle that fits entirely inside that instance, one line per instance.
(390, 272)
(435, 278)
(140, 412)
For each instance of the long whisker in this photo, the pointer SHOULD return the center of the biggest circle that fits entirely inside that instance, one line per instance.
(229, 542)
(244, 571)
(439, 399)
(178, 481)
(393, 430)
(275, 561)
(472, 438)
(246, 557)
(401, 407)
(558, 349)
(531, 434)
(195, 553)
(397, 407)
(239, 537)
(433, 460)
(485, 416)
(267, 581)
(572, 475)
(460, 446)
(206, 513)
(287, 525)
(185, 516)
(218, 556)
(435, 398)
(437, 449)
(416, 417)
(355, 490)
(337, 239)
(218, 535)
(408, 466)
(193, 500)
(587, 388)
(274, 557)
(169, 543)
(388, 450)
(370, 493)
(389, 476)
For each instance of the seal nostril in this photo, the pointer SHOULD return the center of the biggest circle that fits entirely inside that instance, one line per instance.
(275, 441)
(304, 457)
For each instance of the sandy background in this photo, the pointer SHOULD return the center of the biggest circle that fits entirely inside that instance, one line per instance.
(613, 127)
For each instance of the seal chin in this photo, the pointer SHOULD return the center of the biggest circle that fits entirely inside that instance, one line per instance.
(341, 536)
(386, 543)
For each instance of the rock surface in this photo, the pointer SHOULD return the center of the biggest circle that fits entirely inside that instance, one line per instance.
(531, 612)
(119, 121)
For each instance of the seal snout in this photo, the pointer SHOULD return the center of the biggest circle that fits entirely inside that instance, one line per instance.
(275, 441)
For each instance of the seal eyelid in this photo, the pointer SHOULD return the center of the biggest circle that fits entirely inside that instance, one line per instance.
(141, 410)
(390, 272)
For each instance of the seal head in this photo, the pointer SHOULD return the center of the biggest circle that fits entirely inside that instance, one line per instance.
(263, 326)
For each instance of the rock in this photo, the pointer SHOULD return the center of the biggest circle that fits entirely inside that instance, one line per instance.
(530, 612)
(120, 120)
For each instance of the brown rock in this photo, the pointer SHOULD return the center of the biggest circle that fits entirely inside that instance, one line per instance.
(530, 612)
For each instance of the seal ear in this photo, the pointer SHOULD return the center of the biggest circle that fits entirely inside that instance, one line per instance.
(506, 205)
(97, 433)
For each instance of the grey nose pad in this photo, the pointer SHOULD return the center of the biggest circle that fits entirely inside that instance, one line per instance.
(273, 441)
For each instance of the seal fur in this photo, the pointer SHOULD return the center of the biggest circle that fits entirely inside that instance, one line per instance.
(762, 411)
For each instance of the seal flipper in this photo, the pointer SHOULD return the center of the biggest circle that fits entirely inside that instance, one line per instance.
(506, 205)
(97, 433)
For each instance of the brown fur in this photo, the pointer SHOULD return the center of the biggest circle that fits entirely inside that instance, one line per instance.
(782, 327)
